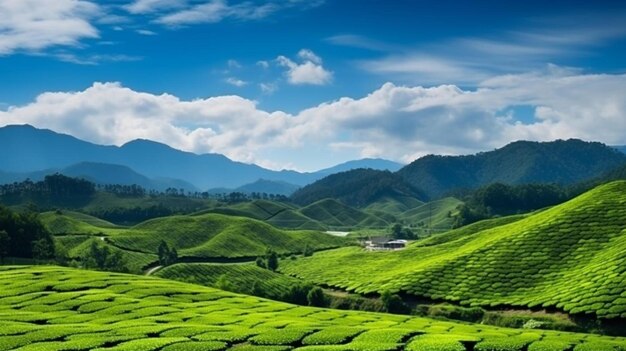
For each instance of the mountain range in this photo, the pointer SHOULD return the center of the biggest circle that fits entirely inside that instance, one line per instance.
(563, 162)
(33, 152)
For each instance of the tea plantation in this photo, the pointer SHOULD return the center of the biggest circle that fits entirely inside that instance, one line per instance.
(241, 277)
(52, 308)
(215, 235)
(571, 257)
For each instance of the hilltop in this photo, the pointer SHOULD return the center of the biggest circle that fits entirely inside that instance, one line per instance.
(569, 257)
(358, 188)
(563, 162)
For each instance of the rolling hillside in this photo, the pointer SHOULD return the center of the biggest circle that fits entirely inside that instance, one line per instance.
(521, 162)
(333, 213)
(437, 215)
(569, 257)
(219, 236)
(53, 308)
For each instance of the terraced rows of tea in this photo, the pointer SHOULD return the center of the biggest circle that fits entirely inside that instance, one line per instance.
(53, 308)
(242, 277)
(571, 257)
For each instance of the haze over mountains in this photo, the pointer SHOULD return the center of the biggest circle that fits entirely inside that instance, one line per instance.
(37, 152)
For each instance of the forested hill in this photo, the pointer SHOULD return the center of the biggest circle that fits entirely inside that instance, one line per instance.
(522, 162)
(358, 188)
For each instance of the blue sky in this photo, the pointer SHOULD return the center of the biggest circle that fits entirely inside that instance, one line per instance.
(306, 84)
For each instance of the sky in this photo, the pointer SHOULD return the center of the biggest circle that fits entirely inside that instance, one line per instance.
(297, 84)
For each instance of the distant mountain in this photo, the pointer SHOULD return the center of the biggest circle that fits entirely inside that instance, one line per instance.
(358, 188)
(269, 187)
(562, 162)
(101, 173)
(373, 163)
(31, 150)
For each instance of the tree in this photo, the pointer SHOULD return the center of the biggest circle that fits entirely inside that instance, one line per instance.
(4, 245)
(257, 289)
(260, 262)
(100, 257)
(316, 297)
(308, 251)
(166, 255)
(393, 303)
(43, 249)
(272, 259)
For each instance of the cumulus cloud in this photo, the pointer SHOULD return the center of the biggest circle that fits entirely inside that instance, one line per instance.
(309, 71)
(395, 122)
(33, 25)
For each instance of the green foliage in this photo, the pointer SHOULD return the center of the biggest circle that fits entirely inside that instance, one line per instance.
(25, 235)
(271, 259)
(4, 245)
(54, 308)
(569, 257)
(393, 303)
(166, 255)
(100, 257)
(316, 297)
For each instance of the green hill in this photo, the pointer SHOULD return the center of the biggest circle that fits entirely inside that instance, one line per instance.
(394, 205)
(215, 235)
(335, 214)
(357, 188)
(569, 257)
(53, 309)
(68, 223)
(437, 215)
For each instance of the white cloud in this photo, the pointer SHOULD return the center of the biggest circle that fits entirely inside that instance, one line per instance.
(263, 64)
(310, 71)
(217, 10)
(145, 32)
(395, 122)
(236, 82)
(214, 11)
(34, 25)
(151, 6)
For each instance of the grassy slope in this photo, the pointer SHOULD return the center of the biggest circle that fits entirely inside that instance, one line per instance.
(335, 214)
(394, 205)
(214, 235)
(275, 213)
(438, 209)
(53, 308)
(571, 256)
(74, 223)
(241, 276)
